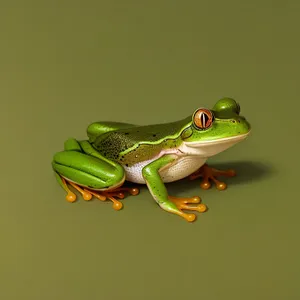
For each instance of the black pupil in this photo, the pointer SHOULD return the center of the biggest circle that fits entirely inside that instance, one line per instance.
(204, 119)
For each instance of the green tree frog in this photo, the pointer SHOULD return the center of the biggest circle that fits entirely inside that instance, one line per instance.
(153, 155)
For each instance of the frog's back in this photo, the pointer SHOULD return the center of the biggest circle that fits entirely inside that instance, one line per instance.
(113, 143)
(98, 128)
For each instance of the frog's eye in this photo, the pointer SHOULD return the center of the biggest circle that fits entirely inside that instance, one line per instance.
(203, 118)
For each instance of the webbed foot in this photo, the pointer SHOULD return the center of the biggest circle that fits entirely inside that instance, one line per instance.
(208, 173)
(184, 204)
(87, 194)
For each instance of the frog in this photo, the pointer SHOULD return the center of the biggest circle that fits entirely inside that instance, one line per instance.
(117, 153)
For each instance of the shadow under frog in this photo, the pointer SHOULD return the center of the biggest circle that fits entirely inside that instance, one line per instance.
(246, 172)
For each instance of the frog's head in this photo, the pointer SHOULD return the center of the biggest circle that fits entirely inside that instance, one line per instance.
(213, 131)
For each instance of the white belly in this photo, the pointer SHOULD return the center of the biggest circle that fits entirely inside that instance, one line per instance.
(183, 167)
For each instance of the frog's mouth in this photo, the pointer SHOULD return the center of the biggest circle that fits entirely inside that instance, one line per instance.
(211, 147)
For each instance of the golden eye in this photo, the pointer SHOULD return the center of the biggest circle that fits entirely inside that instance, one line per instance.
(203, 118)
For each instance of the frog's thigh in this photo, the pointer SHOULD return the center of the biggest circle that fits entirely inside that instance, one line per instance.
(72, 144)
(87, 171)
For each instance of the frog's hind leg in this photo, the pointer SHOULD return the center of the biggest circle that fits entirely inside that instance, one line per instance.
(71, 197)
(88, 194)
(207, 173)
(69, 145)
(89, 175)
(112, 194)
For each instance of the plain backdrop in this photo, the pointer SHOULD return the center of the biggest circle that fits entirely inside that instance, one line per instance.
(65, 64)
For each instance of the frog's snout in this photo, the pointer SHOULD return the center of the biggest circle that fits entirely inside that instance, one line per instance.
(246, 127)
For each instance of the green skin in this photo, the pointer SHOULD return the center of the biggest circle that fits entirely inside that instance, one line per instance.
(102, 162)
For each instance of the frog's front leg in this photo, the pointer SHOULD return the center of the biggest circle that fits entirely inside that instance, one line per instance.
(89, 173)
(207, 173)
(159, 192)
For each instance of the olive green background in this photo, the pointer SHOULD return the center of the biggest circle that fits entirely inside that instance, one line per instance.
(65, 64)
